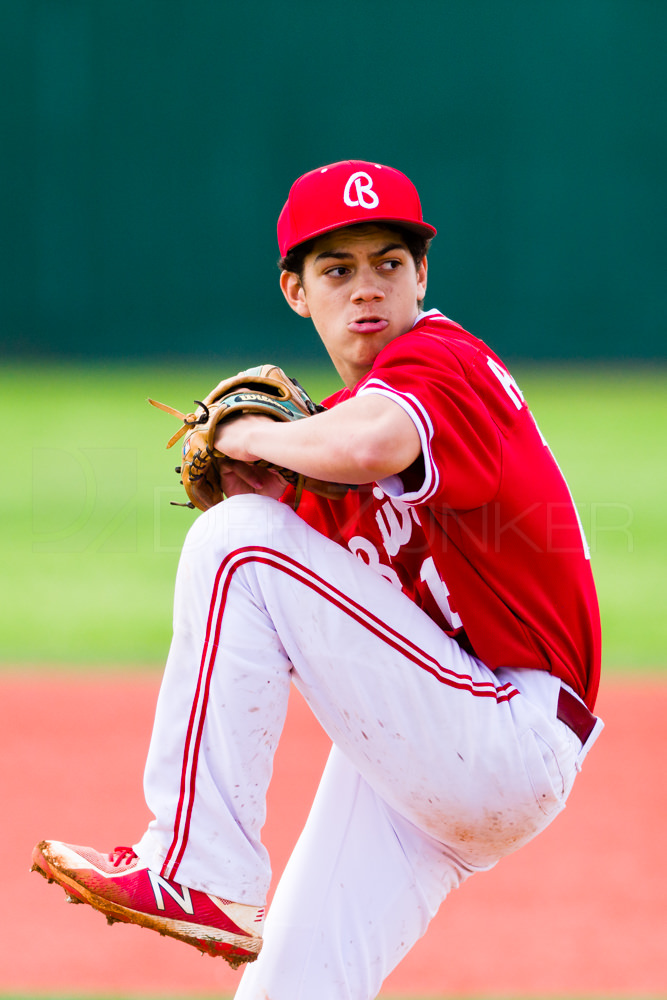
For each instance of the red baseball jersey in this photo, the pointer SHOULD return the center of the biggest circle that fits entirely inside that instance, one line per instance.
(481, 532)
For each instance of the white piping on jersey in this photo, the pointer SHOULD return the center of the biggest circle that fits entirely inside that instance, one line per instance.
(422, 421)
(430, 314)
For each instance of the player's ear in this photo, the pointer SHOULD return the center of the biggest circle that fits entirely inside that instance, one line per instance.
(294, 292)
(422, 274)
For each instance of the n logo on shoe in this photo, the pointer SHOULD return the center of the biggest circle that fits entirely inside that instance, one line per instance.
(158, 884)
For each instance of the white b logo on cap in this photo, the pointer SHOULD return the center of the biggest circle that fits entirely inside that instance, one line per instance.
(365, 195)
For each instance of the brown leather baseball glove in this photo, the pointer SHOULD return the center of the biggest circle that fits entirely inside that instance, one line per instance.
(265, 389)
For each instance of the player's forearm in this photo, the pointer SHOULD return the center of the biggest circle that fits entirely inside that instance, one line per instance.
(319, 450)
(359, 441)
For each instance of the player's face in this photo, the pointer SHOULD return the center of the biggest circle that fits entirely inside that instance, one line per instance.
(361, 289)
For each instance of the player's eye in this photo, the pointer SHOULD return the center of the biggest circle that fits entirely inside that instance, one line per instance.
(339, 271)
(390, 265)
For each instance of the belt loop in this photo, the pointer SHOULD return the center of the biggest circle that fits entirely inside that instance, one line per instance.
(575, 714)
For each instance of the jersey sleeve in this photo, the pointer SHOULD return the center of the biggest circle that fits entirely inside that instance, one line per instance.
(461, 451)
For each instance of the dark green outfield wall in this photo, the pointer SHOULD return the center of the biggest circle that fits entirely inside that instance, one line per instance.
(148, 145)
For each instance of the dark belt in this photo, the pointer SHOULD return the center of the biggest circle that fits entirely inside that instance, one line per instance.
(575, 714)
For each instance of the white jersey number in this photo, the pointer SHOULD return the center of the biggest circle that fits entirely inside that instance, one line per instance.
(439, 592)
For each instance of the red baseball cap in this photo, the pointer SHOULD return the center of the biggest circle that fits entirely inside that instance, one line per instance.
(344, 193)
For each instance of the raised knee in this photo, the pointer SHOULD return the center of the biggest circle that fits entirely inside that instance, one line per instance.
(248, 519)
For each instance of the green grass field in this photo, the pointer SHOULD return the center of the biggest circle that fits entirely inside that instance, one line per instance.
(91, 542)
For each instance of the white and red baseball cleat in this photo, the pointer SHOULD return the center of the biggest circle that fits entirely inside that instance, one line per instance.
(120, 886)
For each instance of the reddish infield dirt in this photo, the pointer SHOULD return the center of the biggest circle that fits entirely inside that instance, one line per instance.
(582, 910)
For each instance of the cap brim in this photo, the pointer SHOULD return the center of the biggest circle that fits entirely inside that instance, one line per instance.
(422, 228)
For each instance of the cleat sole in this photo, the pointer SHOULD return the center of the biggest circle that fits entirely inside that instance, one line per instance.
(235, 949)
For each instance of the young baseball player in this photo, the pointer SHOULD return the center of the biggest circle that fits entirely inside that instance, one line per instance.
(440, 620)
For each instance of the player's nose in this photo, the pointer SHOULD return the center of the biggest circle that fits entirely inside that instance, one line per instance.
(366, 286)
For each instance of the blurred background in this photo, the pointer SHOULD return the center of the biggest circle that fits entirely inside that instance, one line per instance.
(148, 147)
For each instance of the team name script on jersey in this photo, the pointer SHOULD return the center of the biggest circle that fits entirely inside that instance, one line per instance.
(399, 529)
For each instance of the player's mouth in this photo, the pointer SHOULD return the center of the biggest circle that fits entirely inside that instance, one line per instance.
(368, 324)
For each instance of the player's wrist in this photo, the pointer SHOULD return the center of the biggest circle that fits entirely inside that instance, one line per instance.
(237, 437)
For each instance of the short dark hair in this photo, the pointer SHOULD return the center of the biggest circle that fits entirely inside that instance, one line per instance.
(417, 244)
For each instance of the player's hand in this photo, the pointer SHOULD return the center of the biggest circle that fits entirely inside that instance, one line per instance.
(238, 478)
(238, 473)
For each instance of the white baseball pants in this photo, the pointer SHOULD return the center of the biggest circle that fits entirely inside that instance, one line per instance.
(439, 767)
